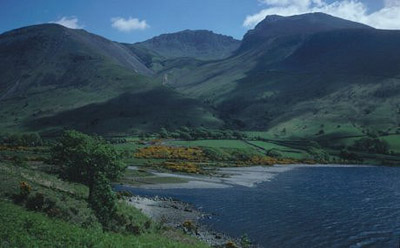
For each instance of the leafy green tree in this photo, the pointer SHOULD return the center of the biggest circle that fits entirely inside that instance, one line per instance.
(31, 139)
(372, 145)
(102, 200)
(164, 133)
(185, 129)
(274, 153)
(90, 160)
(185, 136)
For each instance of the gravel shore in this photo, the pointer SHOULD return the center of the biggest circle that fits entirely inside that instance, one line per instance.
(181, 215)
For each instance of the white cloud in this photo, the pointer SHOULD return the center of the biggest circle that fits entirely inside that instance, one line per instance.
(69, 22)
(392, 3)
(386, 18)
(126, 25)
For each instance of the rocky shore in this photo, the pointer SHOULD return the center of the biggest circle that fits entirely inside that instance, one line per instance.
(181, 215)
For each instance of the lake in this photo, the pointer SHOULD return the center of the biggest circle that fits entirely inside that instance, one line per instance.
(321, 206)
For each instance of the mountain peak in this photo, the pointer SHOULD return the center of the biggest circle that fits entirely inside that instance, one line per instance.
(275, 25)
(202, 44)
(278, 26)
(45, 27)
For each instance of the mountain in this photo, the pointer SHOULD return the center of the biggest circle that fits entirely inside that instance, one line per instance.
(49, 70)
(310, 76)
(302, 76)
(199, 44)
(278, 26)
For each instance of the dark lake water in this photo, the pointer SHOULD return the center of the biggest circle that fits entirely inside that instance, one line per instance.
(307, 207)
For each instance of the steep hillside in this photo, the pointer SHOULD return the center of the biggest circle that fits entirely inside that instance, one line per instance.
(310, 75)
(46, 53)
(268, 44)
(294, 75)
(133, 111)
(302, 25)
(49, 69)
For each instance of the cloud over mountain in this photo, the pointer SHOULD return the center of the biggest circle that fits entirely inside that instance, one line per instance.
(129, 24)
(69, 22)
(386, 18)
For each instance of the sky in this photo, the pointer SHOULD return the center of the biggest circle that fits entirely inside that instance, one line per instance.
(137, 20)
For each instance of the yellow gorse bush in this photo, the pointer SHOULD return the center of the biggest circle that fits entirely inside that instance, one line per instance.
(24, 188)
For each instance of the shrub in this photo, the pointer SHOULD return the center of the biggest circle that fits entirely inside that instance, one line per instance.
(19, 160)
(24, 189)
(189, 227)
(318, 154)
(134, 229)
(245, 241)
(122, 194)
(147, 224)
(372, 145)
(350, 156)
(102, 200)
(274, 153)
(36, 202)
(230, 244)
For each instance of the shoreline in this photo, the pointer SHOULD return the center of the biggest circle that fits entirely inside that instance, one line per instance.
(226, 177)
(180, 215)
(175, 213)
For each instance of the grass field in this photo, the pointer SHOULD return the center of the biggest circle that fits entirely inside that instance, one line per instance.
(212, 143)
(393, 141)
(139, 177)
(284, 150)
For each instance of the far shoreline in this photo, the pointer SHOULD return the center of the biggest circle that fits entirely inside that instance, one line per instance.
(226, 177)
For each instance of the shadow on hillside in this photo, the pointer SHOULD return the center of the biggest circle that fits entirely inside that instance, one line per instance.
(148, 110)
(282, 85)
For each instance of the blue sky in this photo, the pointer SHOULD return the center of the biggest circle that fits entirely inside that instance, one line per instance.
(137, 20)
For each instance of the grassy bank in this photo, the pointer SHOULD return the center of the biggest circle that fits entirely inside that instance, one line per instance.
(23, 228)
(65, 220)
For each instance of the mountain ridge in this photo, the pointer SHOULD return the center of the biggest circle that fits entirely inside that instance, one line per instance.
(274, 26)
(200, 44)
(278, 79)
(48, 70)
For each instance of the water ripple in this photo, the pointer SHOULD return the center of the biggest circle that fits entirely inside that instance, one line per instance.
(308, 207)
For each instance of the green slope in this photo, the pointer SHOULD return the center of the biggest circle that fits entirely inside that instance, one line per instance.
(49, 71)
(131, 112)
(303, 76)
(310, 76)
(29, 229)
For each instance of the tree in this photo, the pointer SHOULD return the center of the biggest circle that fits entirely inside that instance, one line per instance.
(371, 145)
(90, 160)
(103, 200)
(164, 133)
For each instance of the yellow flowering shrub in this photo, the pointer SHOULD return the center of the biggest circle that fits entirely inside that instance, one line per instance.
(24, 189)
